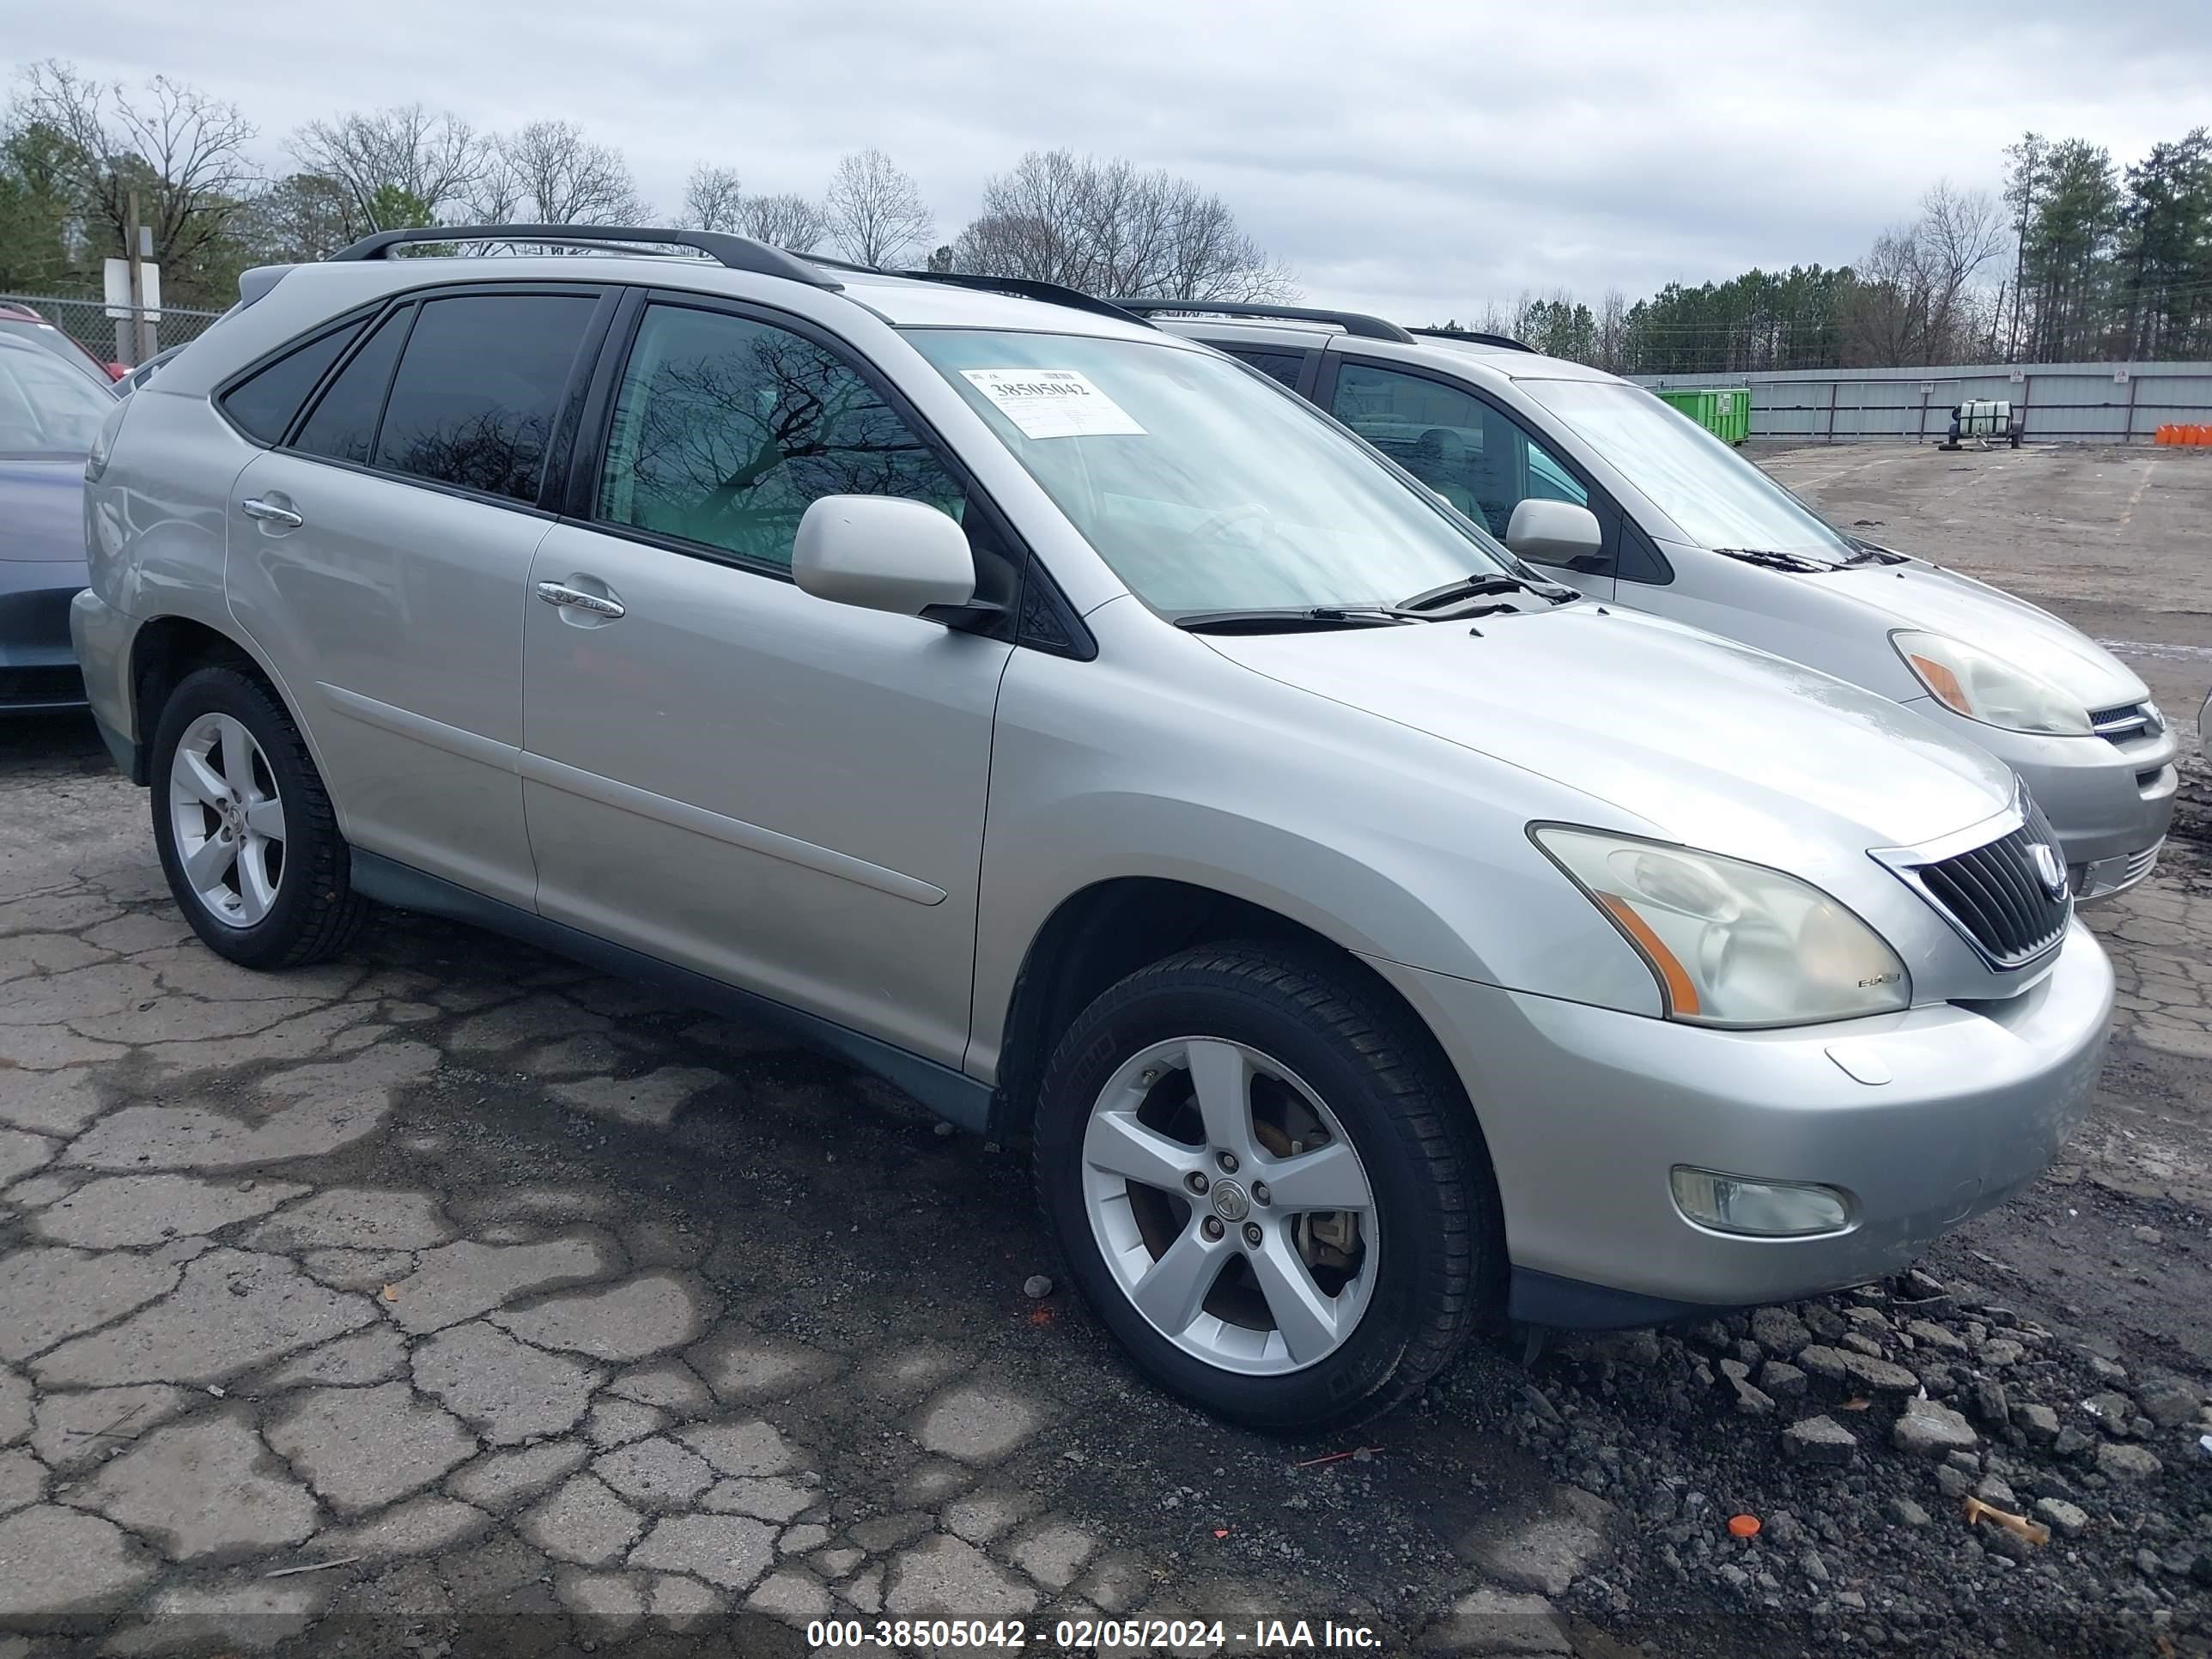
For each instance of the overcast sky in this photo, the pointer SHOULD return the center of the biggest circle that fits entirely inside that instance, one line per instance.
(1415, 160)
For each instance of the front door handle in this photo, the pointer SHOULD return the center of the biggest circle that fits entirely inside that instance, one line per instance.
(269, 513)
(576, 598)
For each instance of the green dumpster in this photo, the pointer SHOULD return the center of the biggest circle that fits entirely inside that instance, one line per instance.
(1722, 410)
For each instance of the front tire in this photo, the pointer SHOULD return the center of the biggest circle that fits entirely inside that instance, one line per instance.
(244, 828)
(1268, 1185)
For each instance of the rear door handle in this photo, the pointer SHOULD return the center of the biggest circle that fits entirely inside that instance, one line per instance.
(269, 513)
(576, 598)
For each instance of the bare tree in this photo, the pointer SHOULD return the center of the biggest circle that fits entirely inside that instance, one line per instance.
(549, 174)
(1109, 227)
(1524, 320)
(1613, 332)
(400, 155)
(302, 217)
(875, 211)
(1912, 303)
(1888, 309)
(1960, 231)
(712, 199)
(784, 221)
(182, 151)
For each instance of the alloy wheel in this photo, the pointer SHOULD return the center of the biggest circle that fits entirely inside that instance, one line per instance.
(1230, 1206)
(228, 818)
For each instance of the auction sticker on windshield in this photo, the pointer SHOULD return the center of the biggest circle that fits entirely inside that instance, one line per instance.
(1052, 402)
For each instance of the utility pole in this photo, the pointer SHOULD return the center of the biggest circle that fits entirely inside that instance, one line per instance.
(139, 240)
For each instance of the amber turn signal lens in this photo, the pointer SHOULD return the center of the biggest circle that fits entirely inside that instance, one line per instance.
(1945, 684)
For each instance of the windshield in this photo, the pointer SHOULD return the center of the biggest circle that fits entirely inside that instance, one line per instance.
(1717, 498)
(1203, 486)
(46, 408)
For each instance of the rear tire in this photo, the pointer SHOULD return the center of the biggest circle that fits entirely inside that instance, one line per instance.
(245, 827)
(1225, 1279)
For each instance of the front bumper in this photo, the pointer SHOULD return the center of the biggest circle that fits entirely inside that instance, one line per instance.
(1586, 1111)
(38, 669)
(2110, 801)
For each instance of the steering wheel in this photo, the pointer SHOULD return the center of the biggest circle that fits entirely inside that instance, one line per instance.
(1228, 516)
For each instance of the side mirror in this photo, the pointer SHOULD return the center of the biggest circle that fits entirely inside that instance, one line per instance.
(883, 553)
(1554, 532)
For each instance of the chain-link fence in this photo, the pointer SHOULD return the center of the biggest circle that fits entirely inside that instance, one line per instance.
(87, 322)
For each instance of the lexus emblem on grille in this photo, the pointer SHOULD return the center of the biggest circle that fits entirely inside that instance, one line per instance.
(2049, 870)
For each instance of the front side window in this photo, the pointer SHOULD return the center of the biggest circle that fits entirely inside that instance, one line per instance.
(1715, 497)
(1203, 489)
(1474, 456)
(479, 391)
(727, 430)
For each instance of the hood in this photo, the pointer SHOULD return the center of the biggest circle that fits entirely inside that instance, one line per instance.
(41, 509)
(1923, 595)
(1715, 744)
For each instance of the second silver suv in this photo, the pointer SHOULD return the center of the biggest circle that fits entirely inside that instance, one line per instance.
(1372, 937)
(1683, 526)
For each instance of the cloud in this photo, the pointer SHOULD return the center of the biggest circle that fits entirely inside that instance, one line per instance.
(1416, 160)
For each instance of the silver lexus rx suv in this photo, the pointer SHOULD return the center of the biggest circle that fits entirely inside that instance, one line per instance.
(1371, 938)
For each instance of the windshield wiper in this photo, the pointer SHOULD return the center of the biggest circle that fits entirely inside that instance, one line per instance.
(1767, 558)
(1458, 601)
(1290, 619)
(1452, 599)
(1868, 553)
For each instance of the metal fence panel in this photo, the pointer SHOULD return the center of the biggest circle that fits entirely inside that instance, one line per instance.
(2078, 402)
(87, 322)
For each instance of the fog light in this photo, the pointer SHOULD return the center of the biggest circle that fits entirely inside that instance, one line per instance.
(1762, 1209)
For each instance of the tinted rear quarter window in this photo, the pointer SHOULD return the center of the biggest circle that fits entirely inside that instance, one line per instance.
(344, 425)
(1282, 366)
(480, 388)
(264, 404)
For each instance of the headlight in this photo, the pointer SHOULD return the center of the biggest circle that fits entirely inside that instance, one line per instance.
(1967, 680)
(1731, 943)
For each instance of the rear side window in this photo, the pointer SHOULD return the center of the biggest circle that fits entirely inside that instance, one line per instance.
(264, 404)
(1282, 366)
(480, 388)
(344, 425)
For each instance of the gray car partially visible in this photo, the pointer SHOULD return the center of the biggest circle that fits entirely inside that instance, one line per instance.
(49, 414)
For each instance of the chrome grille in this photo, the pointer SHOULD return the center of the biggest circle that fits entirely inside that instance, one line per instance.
(2127, 720)
(1996, 896)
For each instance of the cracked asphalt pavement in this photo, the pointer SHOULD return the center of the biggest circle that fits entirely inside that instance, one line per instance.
(453, 1297)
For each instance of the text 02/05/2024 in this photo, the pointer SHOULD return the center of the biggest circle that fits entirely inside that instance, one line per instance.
(1083, 1635)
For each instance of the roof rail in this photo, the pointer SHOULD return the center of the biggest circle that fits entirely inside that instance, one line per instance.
(733, 252)
(1028, 288)
(1504, 341)
(1352, 322)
